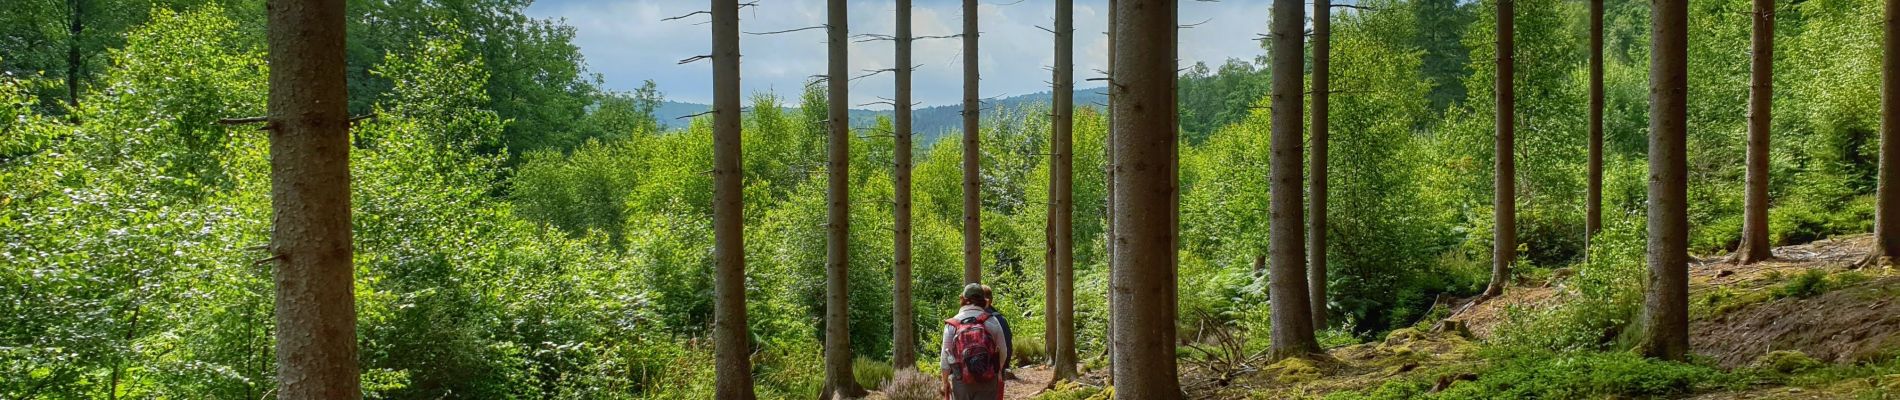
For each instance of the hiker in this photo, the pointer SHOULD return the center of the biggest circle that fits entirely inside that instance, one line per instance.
(973, 351)
(1009, 338)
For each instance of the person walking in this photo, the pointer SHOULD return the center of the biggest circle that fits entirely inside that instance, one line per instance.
(973, 351)
(1009, 337)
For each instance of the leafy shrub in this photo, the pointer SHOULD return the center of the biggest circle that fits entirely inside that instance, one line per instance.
(1810, 283)
(870, 373)
(1028, 350)
(1815, 282)
(1604, 296)
(1786, 361)
(909, 384)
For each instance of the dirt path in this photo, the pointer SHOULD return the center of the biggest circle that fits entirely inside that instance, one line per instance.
(1029, 381)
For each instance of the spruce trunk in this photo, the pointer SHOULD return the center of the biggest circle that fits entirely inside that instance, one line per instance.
(972, 154)
(1504, 202)
(1144, 281)
(1062, 173)
(310, 201)
(1666, 300)
(1322, 70)
(1755, 246)
(1887, 198)
(731, 340)
(1292, 319)
(903, 323)
(839, 381)
(1593, 209)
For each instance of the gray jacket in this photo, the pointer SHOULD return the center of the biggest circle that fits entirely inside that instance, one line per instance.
(947, 361)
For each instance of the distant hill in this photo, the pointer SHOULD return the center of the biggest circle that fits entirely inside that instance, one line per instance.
(928, 123)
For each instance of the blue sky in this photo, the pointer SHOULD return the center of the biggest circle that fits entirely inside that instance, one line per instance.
(625, 41)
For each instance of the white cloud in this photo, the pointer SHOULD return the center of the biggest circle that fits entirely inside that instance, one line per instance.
(625, 41)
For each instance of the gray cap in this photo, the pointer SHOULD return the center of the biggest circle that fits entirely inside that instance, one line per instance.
(975, 291)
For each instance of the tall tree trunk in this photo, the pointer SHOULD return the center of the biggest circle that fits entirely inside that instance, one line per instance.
(1292, 317)
(1062, 172)
(1887, 200)
(1145, 145)
(310, 201)
(1755, 245)
(1666, 302)
(1504, 233)
(839, 381)
(904, 326)
(972, 154)
(1110, 210)
(75, 31)
(731, 340)
(1593, 209)
(1322, 71)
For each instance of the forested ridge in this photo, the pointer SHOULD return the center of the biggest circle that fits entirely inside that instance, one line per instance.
(520, 231)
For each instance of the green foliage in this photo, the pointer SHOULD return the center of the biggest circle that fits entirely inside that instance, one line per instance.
(1787, 362)
(522, 234)
(1073, 391)
(1574, 375)
(1814, 282)
(1607, 294)
(871, 373)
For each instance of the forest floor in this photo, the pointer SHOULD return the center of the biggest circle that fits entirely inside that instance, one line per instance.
(1809, 299)
(1835, 313)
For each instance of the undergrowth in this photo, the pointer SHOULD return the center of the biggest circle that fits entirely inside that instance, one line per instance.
(1518, 373)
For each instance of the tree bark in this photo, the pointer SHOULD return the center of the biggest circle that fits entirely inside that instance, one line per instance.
(74, 60)
(1593, 209)
(1887, 197)
(310, 201)
(1504, 206)
(972, 154)
(1144, 283)
(1322, 70)
(1110, 210)
(1292, 317)
(1755, 246)
(1062, 173)
(904, 325)
(1666, 302)
(731, 340)
(839, 381)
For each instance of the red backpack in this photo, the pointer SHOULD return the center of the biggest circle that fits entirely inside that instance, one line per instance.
(975, 351)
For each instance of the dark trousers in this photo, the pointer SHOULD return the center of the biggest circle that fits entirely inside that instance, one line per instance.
(992, 390)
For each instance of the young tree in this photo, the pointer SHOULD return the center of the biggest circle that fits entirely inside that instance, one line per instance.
(1755, 245)
(972, 155)
(1062, 199)
(1504, 204)
(839, 381)
(731, 344)
(310, 199)
(1322, 64)
(1593, 208)
(74, 60)
(1887, 199)
(1291, 319)
(903, 325)
(1144, 282)
(1666, 300)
